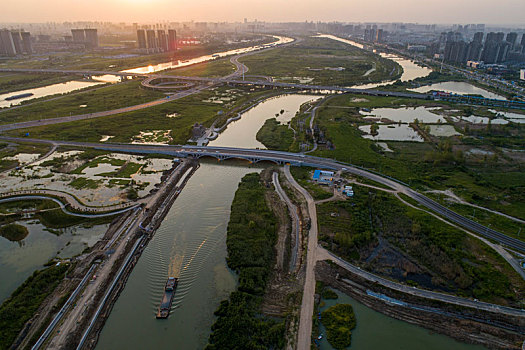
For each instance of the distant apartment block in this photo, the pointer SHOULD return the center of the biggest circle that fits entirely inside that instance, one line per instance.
(88, 37)
(14, 43)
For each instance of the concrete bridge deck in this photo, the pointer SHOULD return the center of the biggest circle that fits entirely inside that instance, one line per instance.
(296, 159)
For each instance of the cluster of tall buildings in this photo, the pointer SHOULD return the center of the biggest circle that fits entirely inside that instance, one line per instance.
(374, 34)
(151, 40)
(15, 42)
(88, 36)
(496, 48)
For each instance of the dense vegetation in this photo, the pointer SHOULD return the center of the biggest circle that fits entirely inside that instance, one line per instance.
(13, 232)
(495, 182)
(275, 135)
(339, 320)
(250, 240)
(376, 230)
(25, 300)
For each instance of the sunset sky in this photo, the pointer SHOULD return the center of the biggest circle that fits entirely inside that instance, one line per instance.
(420, 11)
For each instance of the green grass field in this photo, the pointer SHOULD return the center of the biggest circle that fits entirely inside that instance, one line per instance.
(318, 58)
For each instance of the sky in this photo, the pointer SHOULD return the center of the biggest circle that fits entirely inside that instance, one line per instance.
(510, 12)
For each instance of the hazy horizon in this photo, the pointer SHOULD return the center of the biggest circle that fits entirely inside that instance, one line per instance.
(509, 12)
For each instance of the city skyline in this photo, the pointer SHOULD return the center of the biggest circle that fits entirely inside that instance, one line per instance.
(443, 12)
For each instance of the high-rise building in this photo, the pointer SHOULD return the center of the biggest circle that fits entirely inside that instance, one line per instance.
(26, 42)
(91, 37)
(478, 37)
(17, 42)
(163, 41)
(503, 51)
(151, 39)
(141, 39)
(7, 47)
(79, 35)
(380, 36)
(512, 37)
(172, 39)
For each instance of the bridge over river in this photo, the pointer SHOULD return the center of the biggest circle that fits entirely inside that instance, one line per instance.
(295, 159)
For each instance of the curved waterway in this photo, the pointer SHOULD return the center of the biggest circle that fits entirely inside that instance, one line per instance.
(242, 132)
(459, 87)
(61, 88)
(70, 86)
(377, 331)
(189, 244)
(411, 70)
(179, 64)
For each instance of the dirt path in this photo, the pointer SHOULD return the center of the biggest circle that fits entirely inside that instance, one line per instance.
(307, 306)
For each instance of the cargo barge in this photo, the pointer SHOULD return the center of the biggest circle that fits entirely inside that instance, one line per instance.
(167, 298)
(16, 97)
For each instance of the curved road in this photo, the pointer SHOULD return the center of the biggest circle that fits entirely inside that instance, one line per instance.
(256, 155)
(324, 254)
(72, 201)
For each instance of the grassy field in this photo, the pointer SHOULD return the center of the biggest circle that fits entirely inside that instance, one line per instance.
(303, 176)
(318, 58)
(107, 98)
(215, 68)
(187, 111)
(378, 232)
(497, 182)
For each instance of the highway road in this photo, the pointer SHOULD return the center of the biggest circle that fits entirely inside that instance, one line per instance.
(324, 254)
(298, 159)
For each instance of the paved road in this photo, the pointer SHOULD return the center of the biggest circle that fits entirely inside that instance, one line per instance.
(63, 207)
(324, 254)
(304, 333)
(295, 219)
(72, 201)
(51, 121)
(64, 309)
(279, 157)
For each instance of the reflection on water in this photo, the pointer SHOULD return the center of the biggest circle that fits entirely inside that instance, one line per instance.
(377, 331)
(185, 63)
(395, 132)
(54, 89)
(406, 115)
(18, 260)
(241, 133)
(411, 70)
(458, 87)
(190, 244)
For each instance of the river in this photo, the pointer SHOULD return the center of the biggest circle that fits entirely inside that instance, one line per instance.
(70, 86)
(411, 70)
(377, 331)
(191, 244)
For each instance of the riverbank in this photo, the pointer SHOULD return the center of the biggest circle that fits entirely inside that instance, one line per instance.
(468, 325)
